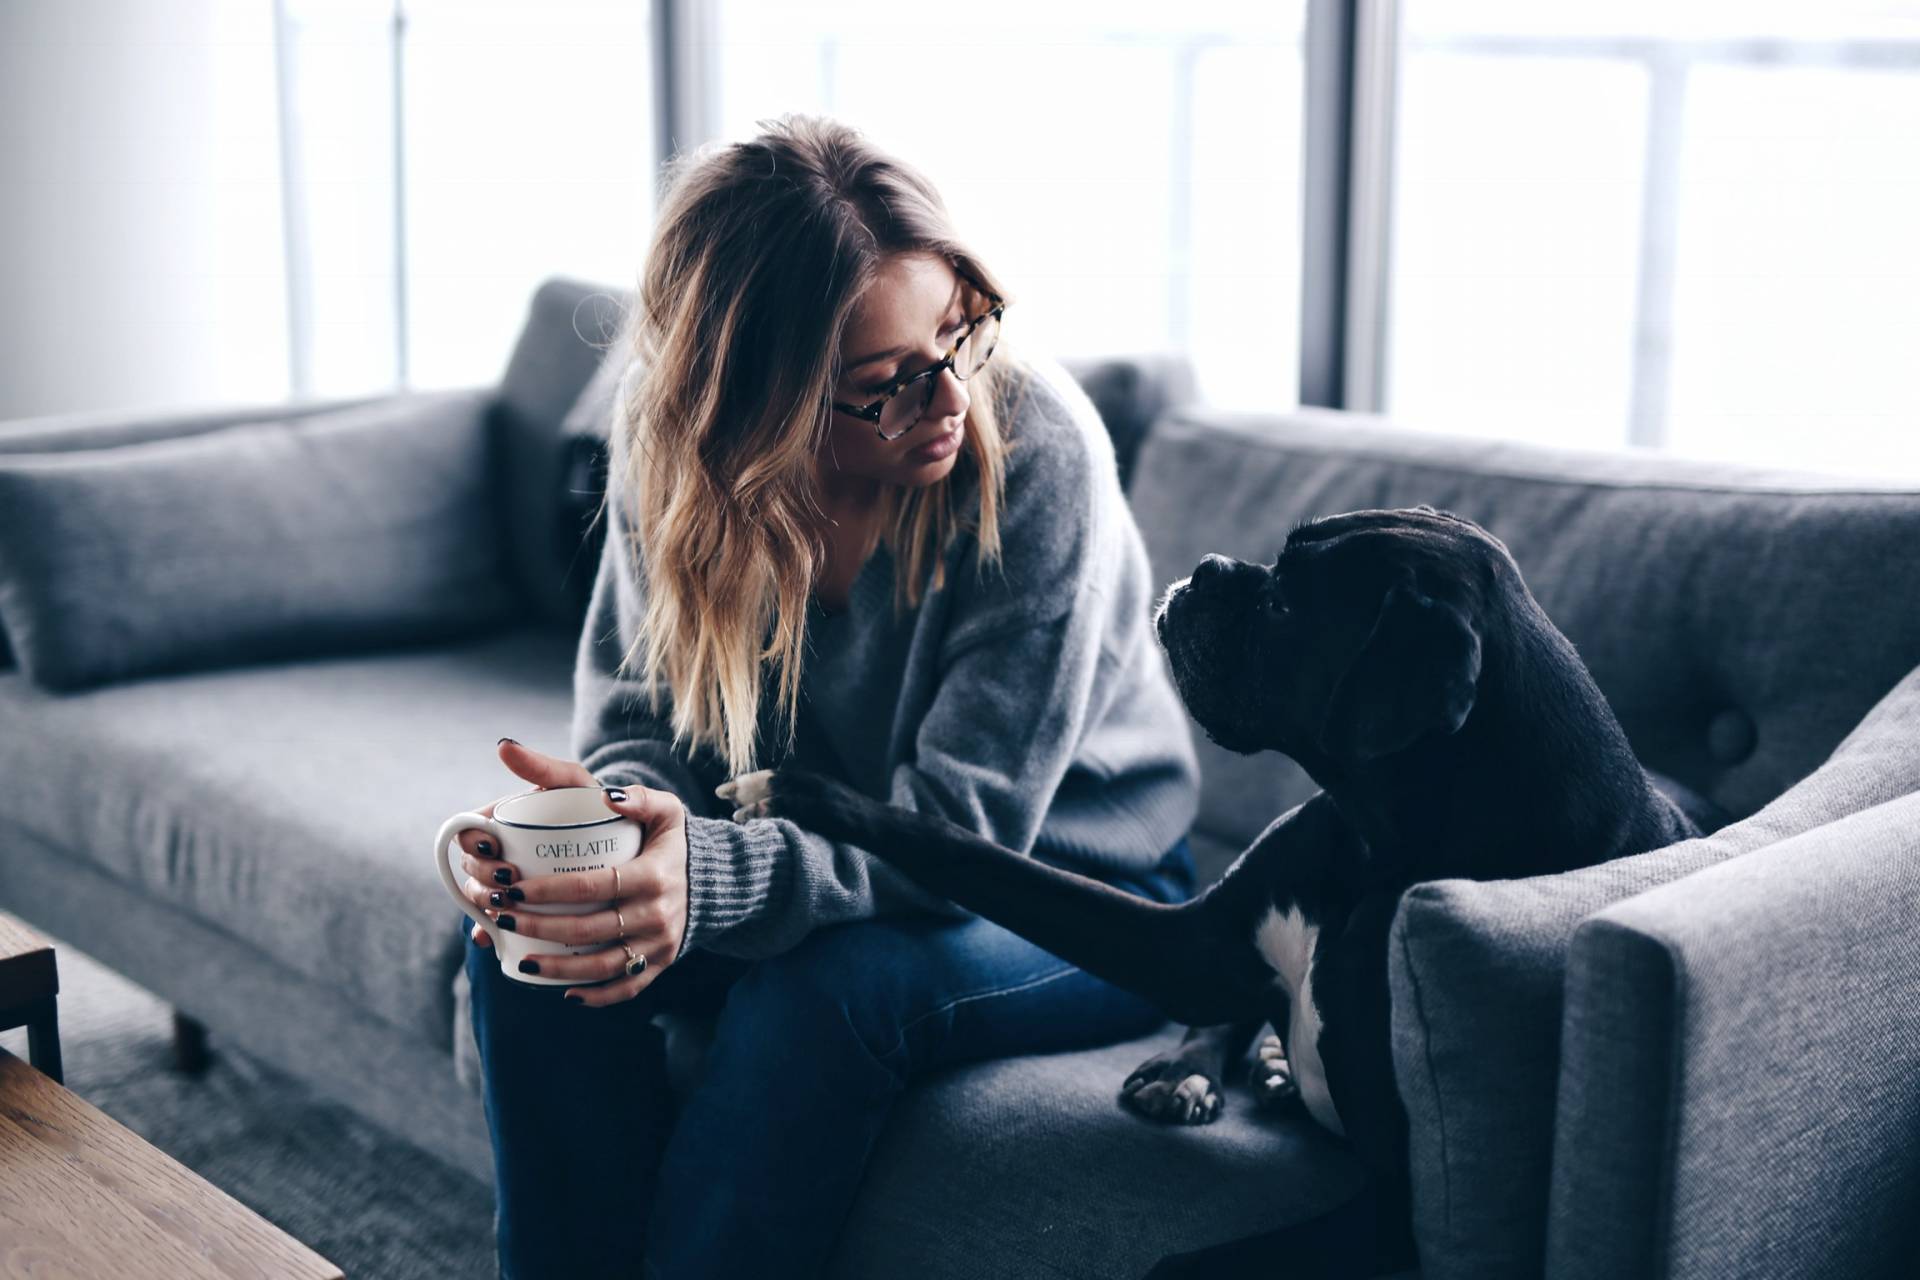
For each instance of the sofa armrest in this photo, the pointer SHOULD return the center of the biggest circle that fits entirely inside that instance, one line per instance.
(1740, 1080)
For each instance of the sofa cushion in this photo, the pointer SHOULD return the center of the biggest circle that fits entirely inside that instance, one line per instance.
(60, 433)
(1029, 1166)
(361, 527)
(1477, 971)
(1738, 620)
(1131, 393)
(569, 325)
(287, 804)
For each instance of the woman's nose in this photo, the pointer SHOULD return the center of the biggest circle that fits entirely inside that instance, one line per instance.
(950, 398)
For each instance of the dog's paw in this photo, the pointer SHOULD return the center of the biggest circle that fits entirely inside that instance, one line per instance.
(806, 798)
(1167, 1089)
(750, 794)
(1272, 1079)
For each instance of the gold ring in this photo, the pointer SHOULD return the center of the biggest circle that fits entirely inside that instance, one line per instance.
(623, 923)
(616, 880)
(636, 963)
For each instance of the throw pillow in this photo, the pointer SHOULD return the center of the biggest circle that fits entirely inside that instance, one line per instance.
(1477, 971)
(60, 433)
(367, 526)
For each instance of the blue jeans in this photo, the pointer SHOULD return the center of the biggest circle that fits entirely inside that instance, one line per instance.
(594, 1172)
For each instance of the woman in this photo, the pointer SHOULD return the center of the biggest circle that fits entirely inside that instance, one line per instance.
(840, 536)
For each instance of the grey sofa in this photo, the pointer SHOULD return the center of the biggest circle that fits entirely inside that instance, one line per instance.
(1701, 1061)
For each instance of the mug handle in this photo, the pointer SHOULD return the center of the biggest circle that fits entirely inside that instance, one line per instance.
(448, 830)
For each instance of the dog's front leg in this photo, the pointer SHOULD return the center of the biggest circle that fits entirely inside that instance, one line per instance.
(1195, 969)
(1184, 1086)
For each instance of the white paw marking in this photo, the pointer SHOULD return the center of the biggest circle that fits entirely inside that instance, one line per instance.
(1286, 942)
(750, 789)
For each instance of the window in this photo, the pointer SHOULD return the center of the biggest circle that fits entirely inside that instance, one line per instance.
(1132, 171)
(521, 147)
(1686, 227)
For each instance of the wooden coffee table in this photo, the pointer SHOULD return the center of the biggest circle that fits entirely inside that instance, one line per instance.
(83, 1195)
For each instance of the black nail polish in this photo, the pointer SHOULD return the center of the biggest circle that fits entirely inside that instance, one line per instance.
(514, 741)
(483, 847)
(509, 924)
(577, 1002)
(616, 795)
(503, 876)
(517, 894)
(496, 899)
(529, 966)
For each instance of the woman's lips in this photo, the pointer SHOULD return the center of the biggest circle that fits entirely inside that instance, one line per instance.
(938, 448)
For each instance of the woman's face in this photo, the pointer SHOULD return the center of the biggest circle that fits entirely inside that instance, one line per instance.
(906, 321)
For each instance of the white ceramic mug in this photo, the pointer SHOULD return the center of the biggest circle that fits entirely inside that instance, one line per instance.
(559, 831)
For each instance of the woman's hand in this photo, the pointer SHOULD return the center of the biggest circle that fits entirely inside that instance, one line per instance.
(653, 887)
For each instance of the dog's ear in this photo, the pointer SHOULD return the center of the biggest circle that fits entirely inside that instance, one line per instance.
(1415, 675)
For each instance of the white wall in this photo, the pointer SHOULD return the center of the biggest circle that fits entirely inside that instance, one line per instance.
(140, 221)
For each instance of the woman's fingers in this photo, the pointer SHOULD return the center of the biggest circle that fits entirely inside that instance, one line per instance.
(494, 872)
(618, 991)
(541, 769)
(537, 767)
(604, 965)
(641, 918)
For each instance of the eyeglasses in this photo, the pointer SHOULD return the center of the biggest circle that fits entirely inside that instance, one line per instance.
(901, 404)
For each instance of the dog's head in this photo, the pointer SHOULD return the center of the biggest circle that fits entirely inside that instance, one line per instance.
(1362, 639)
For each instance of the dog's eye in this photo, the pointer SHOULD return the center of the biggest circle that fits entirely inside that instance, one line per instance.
(1274, 605)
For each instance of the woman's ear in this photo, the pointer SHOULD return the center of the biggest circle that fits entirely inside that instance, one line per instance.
(1414, 676)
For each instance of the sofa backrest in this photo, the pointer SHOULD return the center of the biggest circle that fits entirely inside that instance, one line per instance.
(1740, 621)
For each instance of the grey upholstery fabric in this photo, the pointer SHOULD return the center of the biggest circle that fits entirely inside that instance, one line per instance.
(1476, 971)
(1719, 607)
(68, 432)
(365, 526)
(72, 431)
(1028, 1167)
(569, 325)
(1131, 393)
(289, 803)
(1741, 1051)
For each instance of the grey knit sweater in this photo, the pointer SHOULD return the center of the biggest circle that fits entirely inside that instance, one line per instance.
(1029, 704)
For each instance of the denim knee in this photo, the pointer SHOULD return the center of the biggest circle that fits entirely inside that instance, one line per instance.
(839, 994)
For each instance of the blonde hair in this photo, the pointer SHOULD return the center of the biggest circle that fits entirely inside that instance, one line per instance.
(761, 251)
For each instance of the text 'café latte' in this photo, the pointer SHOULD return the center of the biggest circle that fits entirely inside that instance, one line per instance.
(575, 849)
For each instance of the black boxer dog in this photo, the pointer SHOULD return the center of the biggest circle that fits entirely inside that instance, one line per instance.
(1399, 658)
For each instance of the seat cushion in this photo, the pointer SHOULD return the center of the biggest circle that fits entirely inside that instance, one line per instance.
(286, 805)
(1030, 1167)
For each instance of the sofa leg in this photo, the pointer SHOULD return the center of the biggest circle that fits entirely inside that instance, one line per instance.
(189, 1044)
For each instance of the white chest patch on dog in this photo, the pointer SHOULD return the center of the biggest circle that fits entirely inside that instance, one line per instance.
(1285, 941)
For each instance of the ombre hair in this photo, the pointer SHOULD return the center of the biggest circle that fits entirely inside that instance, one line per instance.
(761, 251)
